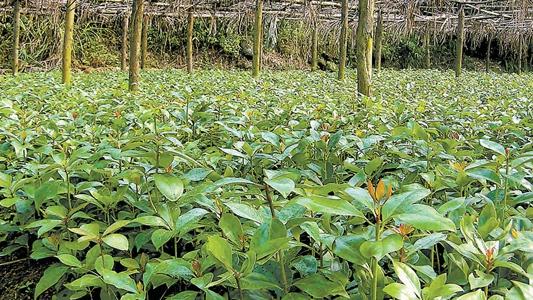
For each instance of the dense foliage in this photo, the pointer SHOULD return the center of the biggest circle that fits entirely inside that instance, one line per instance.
(216, 185)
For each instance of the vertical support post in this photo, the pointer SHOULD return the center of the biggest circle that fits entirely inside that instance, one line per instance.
(16, 37)
(520, 53)
(124, 46)
(427, 45)
(68, 42)
(460, 42)
(370, 37)
(363, 35)
(314, 42)
(343, 40)
(487, 61)
(258, 38)
(190, 27)
(379, 40)
(144, 41)
(135, 43)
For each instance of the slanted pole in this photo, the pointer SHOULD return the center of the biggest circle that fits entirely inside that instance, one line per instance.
(460, 42)
(135, 44)
(124, 46)
(379, 40)
(16, 37)
(190, 27)
(343, 41)
(258, 38)
(68, 42)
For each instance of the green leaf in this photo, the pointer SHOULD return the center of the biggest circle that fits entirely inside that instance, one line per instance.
(484, 174)
(373, 165)
(170, 186)
(69, 260)
(232, 228)
(424, 217)
(221, 250)
(400, 202)
(116, 226)
(520, 291)
(119, 280)
(492, 146)
(482, 280)
(399, 291)
(475, 295)
(283, 185)
(117, 241)
(50, 277)
(327, 205)
(378, 249)
(186, 295)
(347, 247)
(407, 276)
(318, 286)
(161, 237)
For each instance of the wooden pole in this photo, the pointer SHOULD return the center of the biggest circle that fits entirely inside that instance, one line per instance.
(124, 47)
(379, 40)
(135, 43)
(520, 52)
(343, 41)
(144, 41)
(363, 75)
(190, 28)
(487, 61)
(68, 42)
(460, 42)
(16, 37)
(370, 37)
(427, 45)
(314, 43)
(258, 37)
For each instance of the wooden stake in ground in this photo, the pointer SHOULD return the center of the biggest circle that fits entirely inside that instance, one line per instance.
(258, 38)
(16, 37)
(68, 41)
(314, 41)
(144, 41)
(460, 42)
(364, 32)
(124, 46)
(487, 60)
(343, 42)
(379, 40)
(520, 51)
(427, 45)
(190, 28)
(135, 43)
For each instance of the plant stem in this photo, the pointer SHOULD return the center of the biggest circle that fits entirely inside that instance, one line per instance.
(506, 188)
(238, 280)
(269, 200)
(375, 265)
(283, 272)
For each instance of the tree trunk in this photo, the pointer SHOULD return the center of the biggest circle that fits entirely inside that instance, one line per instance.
(135, 43)
(487, 61)
(314, 43)
(144, 41)
(190, 28)
(379, 40)
(370, 37)
(363, 36)
(460, 42)
(124, 47)
(343, 44)
(68, 41)
(258, 38)
(16, 37)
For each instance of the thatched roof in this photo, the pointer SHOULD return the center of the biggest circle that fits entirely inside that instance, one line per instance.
(506, 20)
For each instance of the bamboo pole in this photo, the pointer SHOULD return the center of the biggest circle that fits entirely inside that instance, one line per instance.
(68, 42)
(144, 41)
(190, 28)
(363, 76)
(135, 44)
(343, 40)
(314, 43)
(258, 38)
(379, 40)
(16, 37)
(460, 42)
(124, 47)
(370, 37)
(427, 45)
(487, 61)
